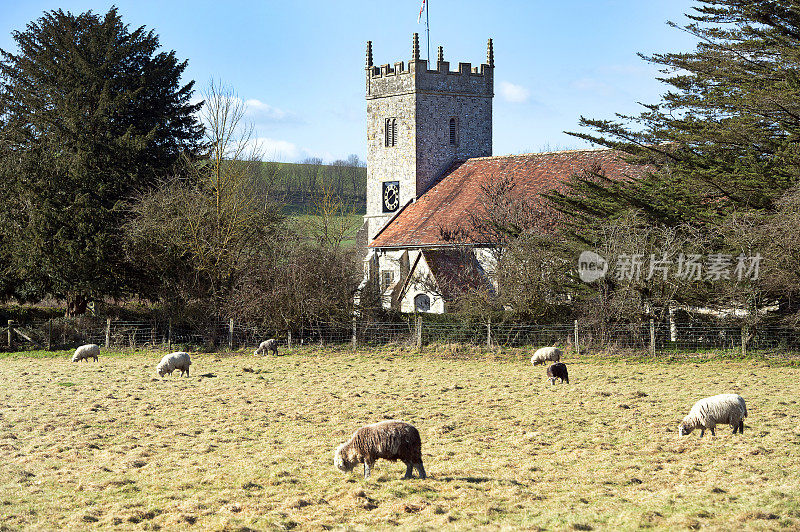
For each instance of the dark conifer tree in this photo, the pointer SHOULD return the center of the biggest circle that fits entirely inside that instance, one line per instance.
(90, 112)
(726, 135)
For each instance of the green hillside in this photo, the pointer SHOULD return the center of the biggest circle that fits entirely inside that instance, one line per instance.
(296, 185)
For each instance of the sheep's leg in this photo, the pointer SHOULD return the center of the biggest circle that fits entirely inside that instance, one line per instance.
(367, 467)
(741, 427)
(702, 431)
(420, 470)
(712, 431)
(409, 469)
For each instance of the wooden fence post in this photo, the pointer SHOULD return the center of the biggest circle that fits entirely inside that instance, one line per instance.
(354, 339)
(289, 339)
(419, 332)
(744, 341)
(489, 332)
(50, 334)
(10, 332)
(652, 337)
(577, 347)
(230, 335)
(169, 335)
(108, 332)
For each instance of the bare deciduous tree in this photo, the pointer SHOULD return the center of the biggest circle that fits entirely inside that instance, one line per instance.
(199, 235)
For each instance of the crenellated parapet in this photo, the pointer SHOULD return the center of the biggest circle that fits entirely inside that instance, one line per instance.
(400, 78)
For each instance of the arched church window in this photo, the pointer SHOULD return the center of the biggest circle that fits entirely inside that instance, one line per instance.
(422, 303)
(390, 132)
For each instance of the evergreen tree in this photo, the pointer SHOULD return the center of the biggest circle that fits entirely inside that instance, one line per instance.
(90, 112)
(724, 137)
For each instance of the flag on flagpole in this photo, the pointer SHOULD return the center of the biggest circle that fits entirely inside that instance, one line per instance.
(421, 9)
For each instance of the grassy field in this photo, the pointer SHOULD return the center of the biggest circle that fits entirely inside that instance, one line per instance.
(349, 225)
(246, 443)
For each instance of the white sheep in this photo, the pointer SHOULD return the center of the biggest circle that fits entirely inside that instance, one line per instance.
(709, 412)
(173, 361)
(85, 352)
(267, 345)
(553, 354)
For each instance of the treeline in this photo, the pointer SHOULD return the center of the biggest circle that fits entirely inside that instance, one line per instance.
(298, 185)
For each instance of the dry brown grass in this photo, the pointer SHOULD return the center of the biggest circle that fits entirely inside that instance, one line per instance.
(247, 442)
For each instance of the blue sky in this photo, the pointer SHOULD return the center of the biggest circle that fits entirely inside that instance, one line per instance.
(300, 63)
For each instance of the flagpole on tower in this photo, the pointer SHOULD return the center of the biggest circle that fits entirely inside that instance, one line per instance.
(428, 31)
(424, 7)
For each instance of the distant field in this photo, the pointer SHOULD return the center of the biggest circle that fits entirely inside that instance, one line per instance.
(246, 443)
(308, 223)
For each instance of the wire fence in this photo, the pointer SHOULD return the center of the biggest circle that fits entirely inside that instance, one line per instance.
(66, 333)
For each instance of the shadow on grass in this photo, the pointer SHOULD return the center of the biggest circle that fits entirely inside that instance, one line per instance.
(481, 480)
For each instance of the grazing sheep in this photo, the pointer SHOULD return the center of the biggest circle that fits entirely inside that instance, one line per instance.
(173, 361)
(390, 440)
(267, 345)
(553, 354)
(707, 413)
(558, 371)
(85, 352)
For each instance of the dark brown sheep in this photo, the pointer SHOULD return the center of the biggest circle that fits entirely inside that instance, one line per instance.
(390, 440)
(558, 371)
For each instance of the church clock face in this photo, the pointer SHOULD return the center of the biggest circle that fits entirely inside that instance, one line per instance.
(391, 196)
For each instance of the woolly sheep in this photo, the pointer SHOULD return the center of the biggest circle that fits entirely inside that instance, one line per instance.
(553, 354)
(720, 409)
(558, 371)
(173, 361)
(390, 440)
(85, 352)
(267, 345)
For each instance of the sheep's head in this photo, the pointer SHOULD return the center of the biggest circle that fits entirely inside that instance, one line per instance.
(684, 429)
(74, 358)
(340, 459)
(161, 369)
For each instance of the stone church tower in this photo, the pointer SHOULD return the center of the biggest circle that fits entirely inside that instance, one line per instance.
(419, 122)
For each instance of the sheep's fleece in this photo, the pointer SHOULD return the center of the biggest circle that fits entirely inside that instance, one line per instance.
(390, 440)
(553, 354)
(267, 345)
(726, 408)
(85, 352)
(173, 361)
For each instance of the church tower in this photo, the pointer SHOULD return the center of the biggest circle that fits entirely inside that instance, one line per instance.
(419, 122)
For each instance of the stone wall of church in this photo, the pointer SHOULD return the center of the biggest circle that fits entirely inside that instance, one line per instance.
(395, 163)
(435, 154)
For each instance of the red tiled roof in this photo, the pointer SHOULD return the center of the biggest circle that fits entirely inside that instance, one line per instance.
(448, 204)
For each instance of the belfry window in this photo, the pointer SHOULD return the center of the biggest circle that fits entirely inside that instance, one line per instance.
(390, 132)
(453, 132)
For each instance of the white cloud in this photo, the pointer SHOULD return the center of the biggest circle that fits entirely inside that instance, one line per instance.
(514, 93)
(287, 152)
(263, 113)
(258, 113)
